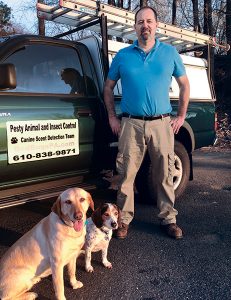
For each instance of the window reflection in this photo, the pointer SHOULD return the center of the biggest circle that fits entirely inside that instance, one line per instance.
(41, 72)
(73, 78)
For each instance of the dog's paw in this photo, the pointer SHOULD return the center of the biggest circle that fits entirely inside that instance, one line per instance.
(77, 284)
(107, 265)
(89, 269)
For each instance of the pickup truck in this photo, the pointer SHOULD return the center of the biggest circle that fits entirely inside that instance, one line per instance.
(54, 130)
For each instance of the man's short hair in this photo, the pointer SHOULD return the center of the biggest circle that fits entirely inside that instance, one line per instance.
(145, 7)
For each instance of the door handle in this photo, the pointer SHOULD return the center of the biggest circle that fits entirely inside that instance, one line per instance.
(83, 113)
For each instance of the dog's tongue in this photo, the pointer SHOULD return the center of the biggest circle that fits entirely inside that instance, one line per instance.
(78, 225)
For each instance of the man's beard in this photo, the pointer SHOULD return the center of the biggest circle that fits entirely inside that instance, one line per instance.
(146, 35)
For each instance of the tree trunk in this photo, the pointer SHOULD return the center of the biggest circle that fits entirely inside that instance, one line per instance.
(111, 2)
(129, 5)
(120, 3)
(208, 22)
(143, 3)
(196, 23)
(228, 24)
(208, 29)
(174, 7)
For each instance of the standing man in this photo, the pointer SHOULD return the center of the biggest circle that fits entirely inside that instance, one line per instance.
(146, 69)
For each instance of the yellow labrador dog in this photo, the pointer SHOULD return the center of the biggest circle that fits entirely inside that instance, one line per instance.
(54, 242)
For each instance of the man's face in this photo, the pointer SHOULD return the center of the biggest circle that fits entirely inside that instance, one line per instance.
(146, 25)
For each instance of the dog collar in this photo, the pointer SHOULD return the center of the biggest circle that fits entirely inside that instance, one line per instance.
(106, 233)
(71, 221)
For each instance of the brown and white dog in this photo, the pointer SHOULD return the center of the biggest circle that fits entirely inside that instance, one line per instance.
(54, 242)
(99, 232)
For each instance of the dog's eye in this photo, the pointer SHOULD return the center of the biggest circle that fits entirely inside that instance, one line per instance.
(116, 213)
(82, 199)
(68, 201)
(106, 214)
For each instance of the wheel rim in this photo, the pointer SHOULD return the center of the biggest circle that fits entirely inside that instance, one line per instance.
(178, 172)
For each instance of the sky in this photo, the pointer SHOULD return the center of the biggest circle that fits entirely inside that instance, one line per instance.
(26, 18)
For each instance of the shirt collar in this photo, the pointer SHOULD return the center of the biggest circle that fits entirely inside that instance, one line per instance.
(157, 43)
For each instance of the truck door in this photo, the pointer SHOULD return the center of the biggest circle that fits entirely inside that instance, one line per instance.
(49, 126)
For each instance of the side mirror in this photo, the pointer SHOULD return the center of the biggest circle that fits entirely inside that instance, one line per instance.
(7, 77)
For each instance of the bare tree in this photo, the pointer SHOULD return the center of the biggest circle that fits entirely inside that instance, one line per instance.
(228, 24)
(196, 23)
(129, 4)
(219, 13)
(112, 2)
(174, 8)
(208, 22)
(143, 3)
(120, 3)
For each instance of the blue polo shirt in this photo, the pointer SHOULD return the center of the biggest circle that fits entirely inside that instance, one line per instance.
(146, 78)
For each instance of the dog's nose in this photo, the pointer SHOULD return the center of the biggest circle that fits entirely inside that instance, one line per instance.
(78, 215)
(113, 224)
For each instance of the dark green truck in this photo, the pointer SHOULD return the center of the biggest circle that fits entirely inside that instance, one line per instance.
(54, 131)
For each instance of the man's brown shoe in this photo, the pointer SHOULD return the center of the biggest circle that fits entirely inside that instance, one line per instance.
(121, 232)
(172, 230)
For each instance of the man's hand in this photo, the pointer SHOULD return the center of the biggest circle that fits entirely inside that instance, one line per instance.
(176, 124)
(115, 125)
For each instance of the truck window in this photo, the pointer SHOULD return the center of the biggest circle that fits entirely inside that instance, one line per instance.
(47, 69)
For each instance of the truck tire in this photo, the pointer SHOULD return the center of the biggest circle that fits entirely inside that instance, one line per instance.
(182, 169)
(145, 188)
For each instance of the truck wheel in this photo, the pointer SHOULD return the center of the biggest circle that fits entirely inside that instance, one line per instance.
(182, 169)
(144, 186)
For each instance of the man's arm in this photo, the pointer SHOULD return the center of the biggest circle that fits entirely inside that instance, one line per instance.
(183, 103)
(110, 105)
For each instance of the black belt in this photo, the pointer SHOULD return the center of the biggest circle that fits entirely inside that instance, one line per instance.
(145, 118)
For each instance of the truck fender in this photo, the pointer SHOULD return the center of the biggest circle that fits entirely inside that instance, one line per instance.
(190, 132)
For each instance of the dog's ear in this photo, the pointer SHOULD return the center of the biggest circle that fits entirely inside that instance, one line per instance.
(56, 208)
(90, 201)
(97, 217)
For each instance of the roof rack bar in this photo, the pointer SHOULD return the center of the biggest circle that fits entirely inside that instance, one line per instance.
(61, 13)
(80, 27)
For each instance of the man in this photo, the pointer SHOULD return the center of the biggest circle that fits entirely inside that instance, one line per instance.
(146, 69)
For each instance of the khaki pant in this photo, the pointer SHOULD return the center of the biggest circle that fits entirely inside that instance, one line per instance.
(137, 137)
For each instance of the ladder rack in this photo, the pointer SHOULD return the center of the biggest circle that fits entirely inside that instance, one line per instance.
(120, 23)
